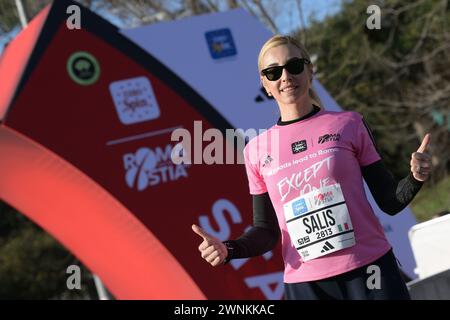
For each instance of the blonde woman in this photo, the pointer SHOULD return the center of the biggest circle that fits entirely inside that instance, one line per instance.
(306, 179)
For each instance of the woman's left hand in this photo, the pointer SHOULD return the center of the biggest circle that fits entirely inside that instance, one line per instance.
(421, 161)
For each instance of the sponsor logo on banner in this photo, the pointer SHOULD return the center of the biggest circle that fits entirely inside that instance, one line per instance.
(134, 100)
(83, 68)
(329, 137)
(299, 146)
(220, 43)
(152, 167)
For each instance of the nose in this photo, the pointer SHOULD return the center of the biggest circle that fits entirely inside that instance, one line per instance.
(285, 75)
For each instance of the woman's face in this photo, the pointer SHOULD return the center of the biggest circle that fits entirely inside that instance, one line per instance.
(289, 88)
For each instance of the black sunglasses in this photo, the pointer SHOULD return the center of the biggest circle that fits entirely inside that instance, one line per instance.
(294, 66)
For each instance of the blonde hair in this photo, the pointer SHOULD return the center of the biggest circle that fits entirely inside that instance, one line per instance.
(279, 40)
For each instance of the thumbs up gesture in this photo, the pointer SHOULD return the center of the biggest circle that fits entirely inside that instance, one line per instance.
(421, 161)
(211, 249)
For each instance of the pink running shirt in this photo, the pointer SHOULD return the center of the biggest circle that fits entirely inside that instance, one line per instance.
(293, 160)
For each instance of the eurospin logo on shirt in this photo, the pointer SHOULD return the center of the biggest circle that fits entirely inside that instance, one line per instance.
(151, 167)
(299, 207)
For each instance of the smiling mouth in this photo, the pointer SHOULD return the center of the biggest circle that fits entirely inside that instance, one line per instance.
(289, 89)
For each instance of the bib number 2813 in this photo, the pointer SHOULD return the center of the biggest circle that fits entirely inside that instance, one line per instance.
(319, 223)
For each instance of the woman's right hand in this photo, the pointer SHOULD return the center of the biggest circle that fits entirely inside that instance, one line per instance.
(211, 249)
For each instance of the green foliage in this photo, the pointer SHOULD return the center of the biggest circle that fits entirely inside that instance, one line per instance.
(9, 18)
(396, 76)
(32, 264)
(430, 201)
(8, 15)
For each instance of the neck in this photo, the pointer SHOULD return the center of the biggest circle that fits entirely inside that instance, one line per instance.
(294, 111)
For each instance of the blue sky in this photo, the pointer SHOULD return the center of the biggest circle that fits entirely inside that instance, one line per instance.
(318, 8)
(287, 21)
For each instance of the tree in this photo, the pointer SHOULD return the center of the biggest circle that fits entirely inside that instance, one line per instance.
(137, 13)
(9, 17)
(32, 264)
(398, 76)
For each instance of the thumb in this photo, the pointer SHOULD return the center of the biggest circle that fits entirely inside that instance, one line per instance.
(202, 233)
(425, 142)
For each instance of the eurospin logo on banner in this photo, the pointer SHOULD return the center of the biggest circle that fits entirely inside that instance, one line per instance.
(151, 167)
(134, 100)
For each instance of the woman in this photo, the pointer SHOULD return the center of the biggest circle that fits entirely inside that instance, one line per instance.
(305, 175)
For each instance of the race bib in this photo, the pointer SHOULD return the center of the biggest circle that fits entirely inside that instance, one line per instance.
(318, 222)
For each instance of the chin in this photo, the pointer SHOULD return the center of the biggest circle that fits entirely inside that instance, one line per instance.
(292, 99)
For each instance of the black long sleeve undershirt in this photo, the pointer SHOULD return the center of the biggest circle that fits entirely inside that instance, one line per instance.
(390, 195)
(262, 236)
